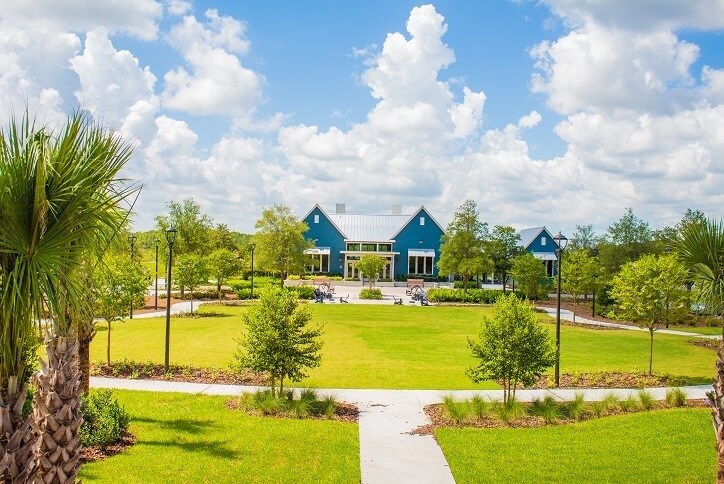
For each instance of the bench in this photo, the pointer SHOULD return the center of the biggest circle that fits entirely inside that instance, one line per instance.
(344, 299)
(416, 282)
(398, 300)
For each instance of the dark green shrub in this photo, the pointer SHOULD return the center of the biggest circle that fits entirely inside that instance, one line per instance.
(303, 292)
(474, 296)
(370, 294)
(104, 419)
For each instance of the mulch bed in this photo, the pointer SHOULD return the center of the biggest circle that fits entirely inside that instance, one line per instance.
(607, 379)
(92, 454)
(712, 344)
(345, 412)
(152, 371)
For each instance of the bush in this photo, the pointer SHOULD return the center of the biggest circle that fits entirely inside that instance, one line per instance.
(104, 419)
(370, 294)
(676, 397)
(475, 296)
(307, 405)
(461, 285)
(548, 408)
(303, 292)
(456, 410)
(245, 293)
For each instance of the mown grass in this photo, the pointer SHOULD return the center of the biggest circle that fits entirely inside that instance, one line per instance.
(193, 438)
(369, 346)
(663, 446)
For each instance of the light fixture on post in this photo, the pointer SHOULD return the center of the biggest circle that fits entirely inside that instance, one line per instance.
(253, 246)
(132, 240)
(594, 253)
(561, 242)
(155, 290)
(170, 239)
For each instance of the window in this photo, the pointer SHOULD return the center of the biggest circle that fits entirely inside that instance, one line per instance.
(317, 263)
(422, 220)
(369, 247)
(316, 218)
(352, 246)
(420, 265)
(543, 240)
(385, 247)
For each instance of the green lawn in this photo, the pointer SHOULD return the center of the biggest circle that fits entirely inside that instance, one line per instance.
(713, 330)
(368, 346)
(666, 446)
(193, 438)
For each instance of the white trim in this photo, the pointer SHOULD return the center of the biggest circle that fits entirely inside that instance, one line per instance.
(318, 251)
(420, 252)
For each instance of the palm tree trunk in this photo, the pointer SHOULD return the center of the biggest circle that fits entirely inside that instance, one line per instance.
(16, 434)
(56, 414)
(716, 399)
(84, 342)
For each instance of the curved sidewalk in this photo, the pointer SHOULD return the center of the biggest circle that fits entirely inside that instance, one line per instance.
(388, 452)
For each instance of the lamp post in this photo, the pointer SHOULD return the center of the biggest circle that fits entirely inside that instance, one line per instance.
(253, 246)
(561, 241)
(594, 253)
(132, 239)
(170, 239)
(155, 291)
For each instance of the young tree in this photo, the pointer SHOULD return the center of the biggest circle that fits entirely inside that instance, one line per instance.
(60, 205)
(529, 273)
(280, 242)
(501, 247)
(223, 264)
(513, 347)
(579, 276)
(583, 238)
(461, 251)
(223, 238)
(191, 271)
(118, 282)
(645, 290)
(277, 339)
(371, 266)
(630, 237)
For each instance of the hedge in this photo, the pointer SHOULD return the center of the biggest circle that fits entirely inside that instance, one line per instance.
(476, 296)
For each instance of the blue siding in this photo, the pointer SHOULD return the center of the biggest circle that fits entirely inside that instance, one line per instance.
(326, 235)
(410, 237)
(537, 244)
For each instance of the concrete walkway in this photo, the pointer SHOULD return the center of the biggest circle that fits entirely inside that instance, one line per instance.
(388, 452)
(567, 315)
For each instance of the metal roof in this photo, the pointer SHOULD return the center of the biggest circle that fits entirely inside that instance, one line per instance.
(368, 228)
(528, 235)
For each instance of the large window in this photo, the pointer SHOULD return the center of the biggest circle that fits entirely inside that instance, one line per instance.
(317, 263)
(420, 265)
(369, 247)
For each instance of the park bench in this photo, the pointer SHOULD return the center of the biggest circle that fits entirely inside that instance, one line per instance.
(398, 300)
(344, 299)
(413, 284)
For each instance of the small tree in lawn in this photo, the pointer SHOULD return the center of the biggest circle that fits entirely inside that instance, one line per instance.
(513, 347)
(191, 271)
(646, 289)
(118, 282)
(223, 264)
(579, 276)
(277, 339)
(371, 266)
(529, 273)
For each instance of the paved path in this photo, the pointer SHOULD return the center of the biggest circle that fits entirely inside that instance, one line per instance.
(388, 452)
(568, 316)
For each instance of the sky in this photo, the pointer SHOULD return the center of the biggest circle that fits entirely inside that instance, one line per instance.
(551, 112)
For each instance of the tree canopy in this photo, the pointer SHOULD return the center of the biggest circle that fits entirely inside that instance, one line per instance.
(501, 247)
(280, 242)
(529, 274)
(371, 266)
(191, 271)
(193, 228)
(462, 249)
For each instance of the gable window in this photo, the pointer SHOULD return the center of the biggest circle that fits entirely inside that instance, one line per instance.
(316, 218)
(543, 240)
(422, 220)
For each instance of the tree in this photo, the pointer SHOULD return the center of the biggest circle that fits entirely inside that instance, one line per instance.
(461, 251)
(60, 207)
(530, 274)
(223, 264)
(280, 242)
(118, 282)
(579, 276)
(371, 265)
(223, 238)
(701, 250)
(277, 339)
(629, 238)
(645, 290)
(583, 238)
(191, 271)
(192, 227)
(513, 347)
(501, 247)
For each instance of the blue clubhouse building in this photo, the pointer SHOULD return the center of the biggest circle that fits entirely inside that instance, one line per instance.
(409, 243)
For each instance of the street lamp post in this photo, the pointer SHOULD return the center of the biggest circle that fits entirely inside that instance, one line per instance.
(253, 246)
(170, 239)
(155, 292)
(561, 241)
(594, 253)
(132, 239)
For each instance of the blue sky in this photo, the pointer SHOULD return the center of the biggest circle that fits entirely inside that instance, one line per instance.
(556, 113)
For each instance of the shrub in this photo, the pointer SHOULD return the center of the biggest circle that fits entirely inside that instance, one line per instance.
(475, 296)
(455, 410)
(370, 294)
(629, 404)
(547, 408)
(480, 406)
(646, 400)
(676, 397)
(104, 419)
(510, 410)
(303, 292)
(308, 404)
(576, 408)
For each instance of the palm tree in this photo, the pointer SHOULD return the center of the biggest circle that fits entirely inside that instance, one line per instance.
(701, 248)
(60, 206)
